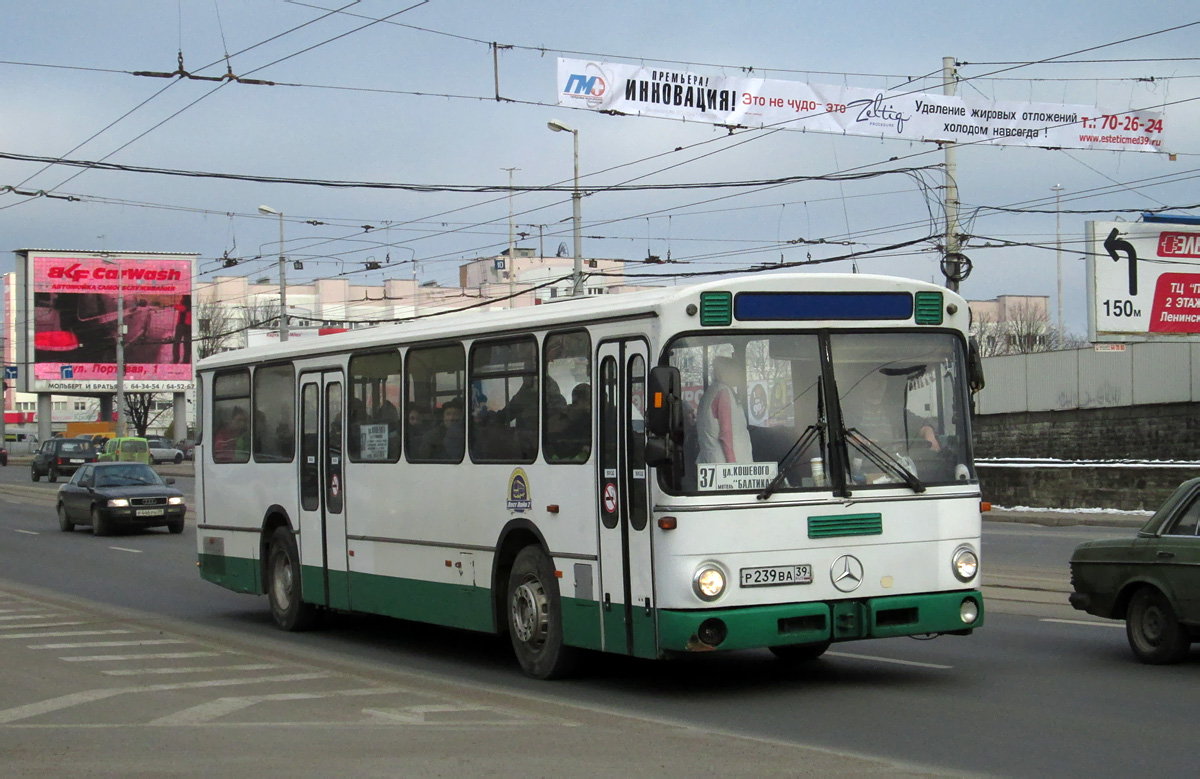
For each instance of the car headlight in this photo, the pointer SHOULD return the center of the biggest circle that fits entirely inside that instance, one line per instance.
(118, 503)
(964, 563)
(709, 582)
(175, 501)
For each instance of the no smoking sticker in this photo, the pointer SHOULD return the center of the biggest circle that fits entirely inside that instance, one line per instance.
(610, 498)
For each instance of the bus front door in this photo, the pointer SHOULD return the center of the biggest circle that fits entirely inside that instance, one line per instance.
(626, 574)
(322, 489)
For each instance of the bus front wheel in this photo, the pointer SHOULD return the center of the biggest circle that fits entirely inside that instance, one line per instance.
(283, 572)
(535, 617)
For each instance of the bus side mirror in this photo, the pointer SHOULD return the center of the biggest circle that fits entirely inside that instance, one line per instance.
(664, 407)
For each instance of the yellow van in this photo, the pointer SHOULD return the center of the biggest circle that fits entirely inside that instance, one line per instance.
(125, 450)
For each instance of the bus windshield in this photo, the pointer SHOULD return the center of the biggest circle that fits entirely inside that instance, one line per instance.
(759, 416)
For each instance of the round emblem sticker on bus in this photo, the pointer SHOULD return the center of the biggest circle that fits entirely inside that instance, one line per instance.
(333, 486)
(610, 498)
(519, 499)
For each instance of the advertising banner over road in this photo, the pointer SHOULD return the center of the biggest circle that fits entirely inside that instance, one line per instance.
(901, 114)
(1143, 281)
(68, 328)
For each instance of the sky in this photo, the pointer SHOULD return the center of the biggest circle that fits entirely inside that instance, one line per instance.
(405, 93)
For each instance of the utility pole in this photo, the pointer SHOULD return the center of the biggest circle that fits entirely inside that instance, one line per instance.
(1057, 190)
(951, 266)
(510, 264)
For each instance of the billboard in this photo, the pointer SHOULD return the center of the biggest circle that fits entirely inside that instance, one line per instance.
(1143, 281)
(714, 97)
(67, 320)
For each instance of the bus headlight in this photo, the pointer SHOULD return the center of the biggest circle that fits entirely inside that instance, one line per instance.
(709, 582)
(964, 563)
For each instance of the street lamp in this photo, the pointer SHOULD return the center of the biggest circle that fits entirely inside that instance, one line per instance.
(577, 282)
(1057, 190)
(283, 324)
(120, 346)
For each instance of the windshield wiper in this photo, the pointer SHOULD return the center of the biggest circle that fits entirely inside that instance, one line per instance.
(789, 459)
(884, 461)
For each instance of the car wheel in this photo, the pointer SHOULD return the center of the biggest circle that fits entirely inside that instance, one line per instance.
(283, 572)
(33, 473)
(64, 523)
(52, 474)
(175, 526)
(535, 617)
(100, 525)
(800, 653)
(178, 459)
(1155, 635)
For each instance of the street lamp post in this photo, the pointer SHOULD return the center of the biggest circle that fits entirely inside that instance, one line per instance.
(120, 347)
(283, 323)
(577, 282)
(1057, 190)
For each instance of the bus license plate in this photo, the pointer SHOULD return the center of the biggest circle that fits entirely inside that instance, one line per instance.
(149, 513)
(776, 574)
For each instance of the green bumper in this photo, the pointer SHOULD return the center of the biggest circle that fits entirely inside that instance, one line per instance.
(808, 623)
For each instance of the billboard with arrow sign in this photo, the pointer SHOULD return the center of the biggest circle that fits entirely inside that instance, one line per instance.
(1143, 281)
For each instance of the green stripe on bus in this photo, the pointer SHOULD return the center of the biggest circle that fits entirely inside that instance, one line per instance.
(239, 574)
(805, 623)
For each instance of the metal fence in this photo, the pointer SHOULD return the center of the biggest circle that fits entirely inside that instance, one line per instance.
(1142, 374)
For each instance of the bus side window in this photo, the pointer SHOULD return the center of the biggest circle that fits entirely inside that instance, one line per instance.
(504, 402)
(567, 418)
(435, 387)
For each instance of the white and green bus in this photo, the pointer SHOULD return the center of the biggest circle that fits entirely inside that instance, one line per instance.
(776, 461)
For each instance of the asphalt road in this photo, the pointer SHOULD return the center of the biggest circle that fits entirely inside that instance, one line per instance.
(1041, 690)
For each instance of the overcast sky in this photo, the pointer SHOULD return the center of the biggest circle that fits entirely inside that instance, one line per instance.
(411, 100)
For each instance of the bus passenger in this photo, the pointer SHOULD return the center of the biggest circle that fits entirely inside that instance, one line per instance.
(720, 420)
(232, 442)
(445, 441)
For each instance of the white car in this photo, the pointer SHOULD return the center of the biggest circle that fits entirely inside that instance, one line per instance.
(162, 451)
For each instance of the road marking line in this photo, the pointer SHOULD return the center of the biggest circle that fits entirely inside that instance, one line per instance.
(160, 656)
(62, 633)
(44, 625)
(1085, 622)
(84, 644)
(28, 532)
(889, 660)
(193, 669)
(124, 549)
(206, 712)
(89, 696)
(28, 616)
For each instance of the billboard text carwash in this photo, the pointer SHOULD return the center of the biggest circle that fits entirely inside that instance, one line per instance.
(67, 320)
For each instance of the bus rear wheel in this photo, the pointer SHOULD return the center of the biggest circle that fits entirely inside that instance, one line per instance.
(535, 617)
(800, 653)
(283, 577)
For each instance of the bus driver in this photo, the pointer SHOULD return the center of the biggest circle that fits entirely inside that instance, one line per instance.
(720, 420)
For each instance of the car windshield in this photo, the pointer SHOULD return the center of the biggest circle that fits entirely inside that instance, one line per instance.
(758, 416)
(125, 475)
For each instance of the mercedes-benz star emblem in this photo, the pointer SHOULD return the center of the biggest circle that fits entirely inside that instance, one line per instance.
(846, 573)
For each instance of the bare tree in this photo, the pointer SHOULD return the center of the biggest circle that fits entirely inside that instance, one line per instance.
(215, 328)
(261, 312)
(1026, 330)
(141, 411)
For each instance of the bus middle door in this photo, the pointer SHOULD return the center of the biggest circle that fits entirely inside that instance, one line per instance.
(626, 574)
(323, 559)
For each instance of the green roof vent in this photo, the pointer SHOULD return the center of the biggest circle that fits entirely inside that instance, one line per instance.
(716, 309)
(928, 308)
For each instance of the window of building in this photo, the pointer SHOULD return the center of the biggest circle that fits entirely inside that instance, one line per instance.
(504, 401)
(274, 414)
(435, 401)
(374, 415)
(567, 398)
(231, 417)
